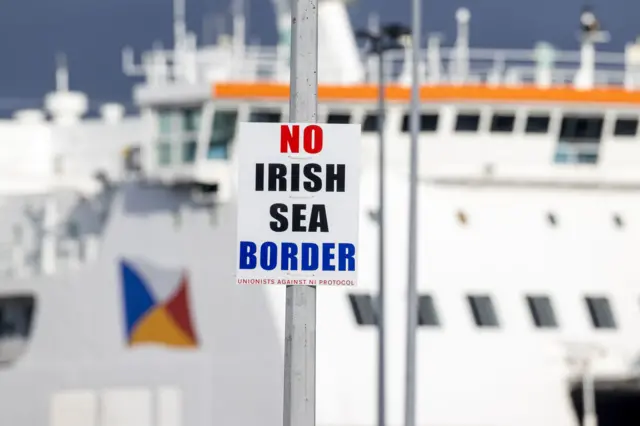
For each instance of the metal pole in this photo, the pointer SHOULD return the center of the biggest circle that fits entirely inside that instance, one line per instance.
(588, 396)
(300, 323)
(381, 168)
(412, 297)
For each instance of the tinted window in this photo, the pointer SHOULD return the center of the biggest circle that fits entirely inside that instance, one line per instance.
(370, 123)
(265, 116)
(483, 311)
(541, 311)
(626, 127)
(339, 118)
(537, 124)
(363, 309)
(581, 128)
(427, 314)
(467, 122)
(501, 123)
(600, 312)
(428, 123)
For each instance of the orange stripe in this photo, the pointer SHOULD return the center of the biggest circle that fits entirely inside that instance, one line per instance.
(368, 93)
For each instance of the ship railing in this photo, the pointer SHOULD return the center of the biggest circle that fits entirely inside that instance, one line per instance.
(440, 65)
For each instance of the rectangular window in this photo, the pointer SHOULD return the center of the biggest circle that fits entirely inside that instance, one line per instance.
(165, 118)
(364, 309)
(370, 123)
(191, 119)
(427, 123)
(427, 314)
(542, 312)
(164, 153)
(222, 133)
(16, 316)
(626, 127)
(581, 129)
(483, 311)
(537, 124)
(503, 123)
(600, 312)
(337, 118)
(265, 116)
(189, 152)
(467, 122)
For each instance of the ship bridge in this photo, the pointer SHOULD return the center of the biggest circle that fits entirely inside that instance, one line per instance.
(537, 114)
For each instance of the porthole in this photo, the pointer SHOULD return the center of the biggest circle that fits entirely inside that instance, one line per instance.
(462, 218)
(618, 221)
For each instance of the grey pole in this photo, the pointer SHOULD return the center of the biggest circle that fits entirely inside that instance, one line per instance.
(412, 296)
(300, 323)
(381, 173)
(589, 417)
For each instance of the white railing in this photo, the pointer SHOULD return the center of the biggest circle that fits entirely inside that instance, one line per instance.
(441, 65)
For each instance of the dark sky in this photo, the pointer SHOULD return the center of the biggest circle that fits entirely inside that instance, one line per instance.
(93, 32)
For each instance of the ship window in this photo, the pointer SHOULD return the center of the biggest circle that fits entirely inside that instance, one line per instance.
(338, 118)
(542, 311)
(189, 151)
(264, 116)
(467, 122)
(165, 118)
(462, 217)
(370, 123)
(600, 312)
(617, 220)
(502, 123)
(222, 133)
(191, 119)
(626, 127)
(73, 230)
(483, 311)
(537, 124)
(16, 316)
(581, 129)
(427, 123)
(164, 153)
(427, 314)
(579, 140)
(363, 308)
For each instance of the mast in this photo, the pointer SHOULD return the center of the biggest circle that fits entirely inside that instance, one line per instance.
(179, 22)
(239, 24)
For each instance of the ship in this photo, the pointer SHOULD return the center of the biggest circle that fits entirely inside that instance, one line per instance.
(118, 303)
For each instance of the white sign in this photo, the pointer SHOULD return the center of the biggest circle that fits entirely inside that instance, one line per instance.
(298, 203)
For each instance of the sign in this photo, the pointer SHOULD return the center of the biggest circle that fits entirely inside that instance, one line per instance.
(298, 203)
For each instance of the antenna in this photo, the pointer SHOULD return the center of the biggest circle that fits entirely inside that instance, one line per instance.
(239, 23)
(179, 24)
(62, 73)
(373, 22)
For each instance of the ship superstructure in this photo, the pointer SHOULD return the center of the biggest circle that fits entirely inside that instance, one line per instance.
(528, 280)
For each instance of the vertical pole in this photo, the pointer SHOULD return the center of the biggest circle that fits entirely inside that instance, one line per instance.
(179, 23)
(588, 396)
(300, 323)
(381, 167)
(239, 31)
(412, 297)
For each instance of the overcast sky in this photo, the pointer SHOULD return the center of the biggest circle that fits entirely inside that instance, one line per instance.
(93, 32)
